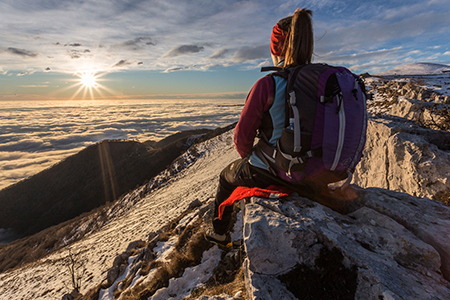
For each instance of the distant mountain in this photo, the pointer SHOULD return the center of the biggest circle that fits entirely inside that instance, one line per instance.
(99, 174)
(416, 69)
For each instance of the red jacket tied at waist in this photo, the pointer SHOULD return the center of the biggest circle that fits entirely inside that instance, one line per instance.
(242, 192)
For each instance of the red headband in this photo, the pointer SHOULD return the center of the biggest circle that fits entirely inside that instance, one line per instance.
(277, 41)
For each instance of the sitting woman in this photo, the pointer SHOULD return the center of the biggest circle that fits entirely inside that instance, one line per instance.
(292, 45)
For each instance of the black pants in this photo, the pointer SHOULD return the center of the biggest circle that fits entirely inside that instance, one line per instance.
(238, 173)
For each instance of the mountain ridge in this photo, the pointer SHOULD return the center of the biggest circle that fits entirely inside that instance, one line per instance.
(421, 68)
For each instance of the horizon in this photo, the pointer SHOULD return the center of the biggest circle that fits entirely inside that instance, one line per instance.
(129, 49)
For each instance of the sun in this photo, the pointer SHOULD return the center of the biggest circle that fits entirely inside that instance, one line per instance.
(88, 80)
(89, 85)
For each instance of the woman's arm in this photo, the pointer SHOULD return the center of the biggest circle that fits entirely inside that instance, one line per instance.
(259, 100)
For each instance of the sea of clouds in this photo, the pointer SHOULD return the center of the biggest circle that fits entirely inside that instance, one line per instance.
(34, 135)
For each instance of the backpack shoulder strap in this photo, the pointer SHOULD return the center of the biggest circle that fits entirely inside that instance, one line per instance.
(271, 68)
(279, 71)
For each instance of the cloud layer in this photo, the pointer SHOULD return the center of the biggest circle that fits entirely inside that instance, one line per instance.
(36, 135)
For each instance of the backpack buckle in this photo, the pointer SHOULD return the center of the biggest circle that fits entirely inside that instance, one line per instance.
(292, 99)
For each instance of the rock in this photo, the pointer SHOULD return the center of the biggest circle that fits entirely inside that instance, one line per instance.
(194, 204)
(73, 295)
(145, 255)
(409, 108)
(419, 111)
(121, 259)
(392, 246)
(220, 297)
(404, 157)
(134, 245)
(442, 99)
(112, 275)
(151, 236)
(365, 75)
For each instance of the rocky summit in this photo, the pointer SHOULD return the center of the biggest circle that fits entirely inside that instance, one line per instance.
(392, 242)
(391, 246)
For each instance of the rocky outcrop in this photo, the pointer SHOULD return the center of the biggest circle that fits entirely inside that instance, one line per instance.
(388, 245)
(392, 246)
(408, 138)
(402, 156)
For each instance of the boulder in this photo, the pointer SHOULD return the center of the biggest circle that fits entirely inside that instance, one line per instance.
(112, 275)
(194, 204)
(390, 246)
(402, 156)
(134, 245)
(75, 294)
(121, 259)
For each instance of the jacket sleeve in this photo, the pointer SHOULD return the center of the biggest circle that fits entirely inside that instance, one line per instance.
(259, 100)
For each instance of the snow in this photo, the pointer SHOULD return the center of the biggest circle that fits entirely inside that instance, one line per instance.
(192, 277)
(163, 249)
(192, 217)
(416, 69)
(109, 293)
(48, 279)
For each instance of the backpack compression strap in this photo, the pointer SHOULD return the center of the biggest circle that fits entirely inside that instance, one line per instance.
(297, 128)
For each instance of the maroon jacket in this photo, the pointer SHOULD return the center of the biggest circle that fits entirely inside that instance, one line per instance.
(259, 100)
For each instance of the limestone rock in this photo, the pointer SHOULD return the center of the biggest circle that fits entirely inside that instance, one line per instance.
(392, 246)
(419, 111)
(112, 275)
(194, 204)
(134, 245)
(404, 157)
(120, 259)
(71, 296)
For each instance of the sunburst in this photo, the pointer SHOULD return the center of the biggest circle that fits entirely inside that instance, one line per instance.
(88, 83)
(88, 80)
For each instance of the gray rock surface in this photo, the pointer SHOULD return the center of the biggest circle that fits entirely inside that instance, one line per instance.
(392, 246)
(401, 156)
(420, 111)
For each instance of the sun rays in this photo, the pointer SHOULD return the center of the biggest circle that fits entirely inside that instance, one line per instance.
(88, 86)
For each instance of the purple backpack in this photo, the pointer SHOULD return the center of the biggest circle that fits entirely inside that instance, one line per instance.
(325, 125)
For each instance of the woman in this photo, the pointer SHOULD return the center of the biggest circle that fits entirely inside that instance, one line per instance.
(264, 113)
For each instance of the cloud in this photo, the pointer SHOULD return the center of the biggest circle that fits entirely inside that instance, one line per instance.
(74, 125)
(74, 54)
(221, 53)
(34, 85)
(123, 63)
(247, 53)
(21, 52)
(138, 43)
(173, 69)
(184, 49)
(199, 32)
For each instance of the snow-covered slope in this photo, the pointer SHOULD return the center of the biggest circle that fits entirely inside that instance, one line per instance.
(416, 69)
(48, 278)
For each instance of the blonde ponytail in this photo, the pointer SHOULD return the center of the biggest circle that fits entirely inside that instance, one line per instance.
(300, 46)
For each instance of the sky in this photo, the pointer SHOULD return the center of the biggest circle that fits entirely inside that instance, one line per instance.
(199, 48)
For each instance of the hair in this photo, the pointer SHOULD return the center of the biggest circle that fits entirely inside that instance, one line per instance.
(300, 46)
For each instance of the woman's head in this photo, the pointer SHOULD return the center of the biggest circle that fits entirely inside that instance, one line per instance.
(292, 38)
